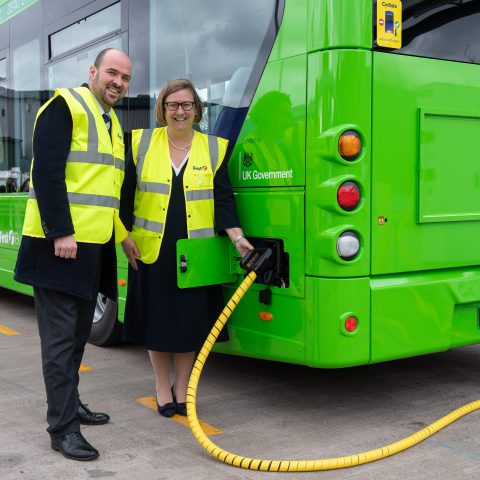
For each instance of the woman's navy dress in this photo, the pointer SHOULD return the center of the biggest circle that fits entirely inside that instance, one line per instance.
(158, 314)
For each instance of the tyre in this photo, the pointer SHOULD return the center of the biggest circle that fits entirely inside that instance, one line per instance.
(106, 329)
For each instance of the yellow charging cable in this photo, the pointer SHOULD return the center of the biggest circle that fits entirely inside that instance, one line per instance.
(292, 465)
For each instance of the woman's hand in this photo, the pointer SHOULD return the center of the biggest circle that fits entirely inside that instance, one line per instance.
(243, 246)
(131, 252)
(238, 239)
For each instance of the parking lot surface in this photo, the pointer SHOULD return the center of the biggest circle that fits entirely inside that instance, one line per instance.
(253, 408)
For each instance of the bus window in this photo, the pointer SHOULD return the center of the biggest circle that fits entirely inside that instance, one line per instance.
(232, 45)
(443, 30)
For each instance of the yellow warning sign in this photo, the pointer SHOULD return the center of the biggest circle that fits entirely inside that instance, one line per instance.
(389, 23)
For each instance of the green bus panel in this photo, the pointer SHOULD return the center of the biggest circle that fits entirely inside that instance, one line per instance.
(12, 209)
(425, 165)
(277, 213)
(292, 36)
(206, 261)
(339, 24)
(424, 312)
(281, 339)
(122, 273)
(270, 150)
(448, 183)
(329, 302)
(330, 76)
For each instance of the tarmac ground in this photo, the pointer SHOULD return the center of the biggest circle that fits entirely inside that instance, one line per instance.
(252, 407)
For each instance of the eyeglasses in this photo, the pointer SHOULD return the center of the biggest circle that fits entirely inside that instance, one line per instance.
(173, 106)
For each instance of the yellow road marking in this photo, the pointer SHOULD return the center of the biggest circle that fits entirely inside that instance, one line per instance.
(7, 331)
(85, 368)
(151, 403)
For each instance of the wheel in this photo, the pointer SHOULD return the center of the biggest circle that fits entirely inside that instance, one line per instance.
(106, 329)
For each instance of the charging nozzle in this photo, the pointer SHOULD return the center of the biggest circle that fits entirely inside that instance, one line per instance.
(257, 260)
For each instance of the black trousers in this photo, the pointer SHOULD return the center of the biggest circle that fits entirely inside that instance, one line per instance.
(64, 324)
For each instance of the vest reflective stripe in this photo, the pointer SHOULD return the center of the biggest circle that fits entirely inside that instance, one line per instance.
(120, 164)
(87, 157)
(145, 140)
(213, 149)
(154, 187)
(95, 164)
(193, 195)
(92, 130)
(202, 233)
(91, 200)
(149, 225)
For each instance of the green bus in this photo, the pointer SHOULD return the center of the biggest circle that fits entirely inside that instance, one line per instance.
(354, 131)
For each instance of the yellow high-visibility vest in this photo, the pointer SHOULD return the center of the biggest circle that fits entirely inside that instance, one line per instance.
(151, 155)
(93, 175)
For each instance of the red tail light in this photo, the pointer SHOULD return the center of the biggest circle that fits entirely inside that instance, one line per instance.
(348, 196)
(351, 324)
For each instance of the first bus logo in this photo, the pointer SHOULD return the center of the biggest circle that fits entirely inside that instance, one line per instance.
(9, 238)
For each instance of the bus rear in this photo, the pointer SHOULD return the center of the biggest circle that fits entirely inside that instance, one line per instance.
(396, 275)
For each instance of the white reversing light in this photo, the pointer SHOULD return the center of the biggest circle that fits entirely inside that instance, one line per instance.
(348, 245)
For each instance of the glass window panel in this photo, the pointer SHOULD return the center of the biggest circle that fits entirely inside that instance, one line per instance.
(443, 30)
(73, 71)
(86, 30)
(3, 69)
(217, 45)
(25, 100)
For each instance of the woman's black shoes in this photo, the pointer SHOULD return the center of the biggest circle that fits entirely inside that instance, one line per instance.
(167, 410)
(171, 408)
(180, 407)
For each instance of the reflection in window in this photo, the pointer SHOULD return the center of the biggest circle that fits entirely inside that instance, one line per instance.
(217, 45)
(86, 30)
(73, 71)
(26, 100)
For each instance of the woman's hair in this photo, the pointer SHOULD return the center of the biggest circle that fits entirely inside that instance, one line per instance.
(173, 86)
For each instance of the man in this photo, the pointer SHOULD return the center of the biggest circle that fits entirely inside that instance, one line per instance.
(68, 247)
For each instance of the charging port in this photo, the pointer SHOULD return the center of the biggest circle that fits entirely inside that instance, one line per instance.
(269, 261)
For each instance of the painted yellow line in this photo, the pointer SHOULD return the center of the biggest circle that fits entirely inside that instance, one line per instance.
(151, 403)
(85, 368)
(7, 331)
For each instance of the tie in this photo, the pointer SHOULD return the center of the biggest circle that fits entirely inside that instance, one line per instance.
(106, 118)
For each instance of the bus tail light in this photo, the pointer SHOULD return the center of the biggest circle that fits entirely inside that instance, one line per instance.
(348, 245)
(351, 324)
(349, 145)
(348, 196)
(265, 316)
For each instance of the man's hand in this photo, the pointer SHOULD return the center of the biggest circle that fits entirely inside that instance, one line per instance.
(131, 252)
(65, 247)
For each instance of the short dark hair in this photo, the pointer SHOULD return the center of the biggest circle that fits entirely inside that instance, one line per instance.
(173, 86)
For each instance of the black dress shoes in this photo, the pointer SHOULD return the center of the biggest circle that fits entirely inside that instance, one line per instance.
(75, 447)
(86, 417)
(181, 407)
(167, 410)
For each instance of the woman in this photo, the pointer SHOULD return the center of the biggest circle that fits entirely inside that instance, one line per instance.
(167, 195)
